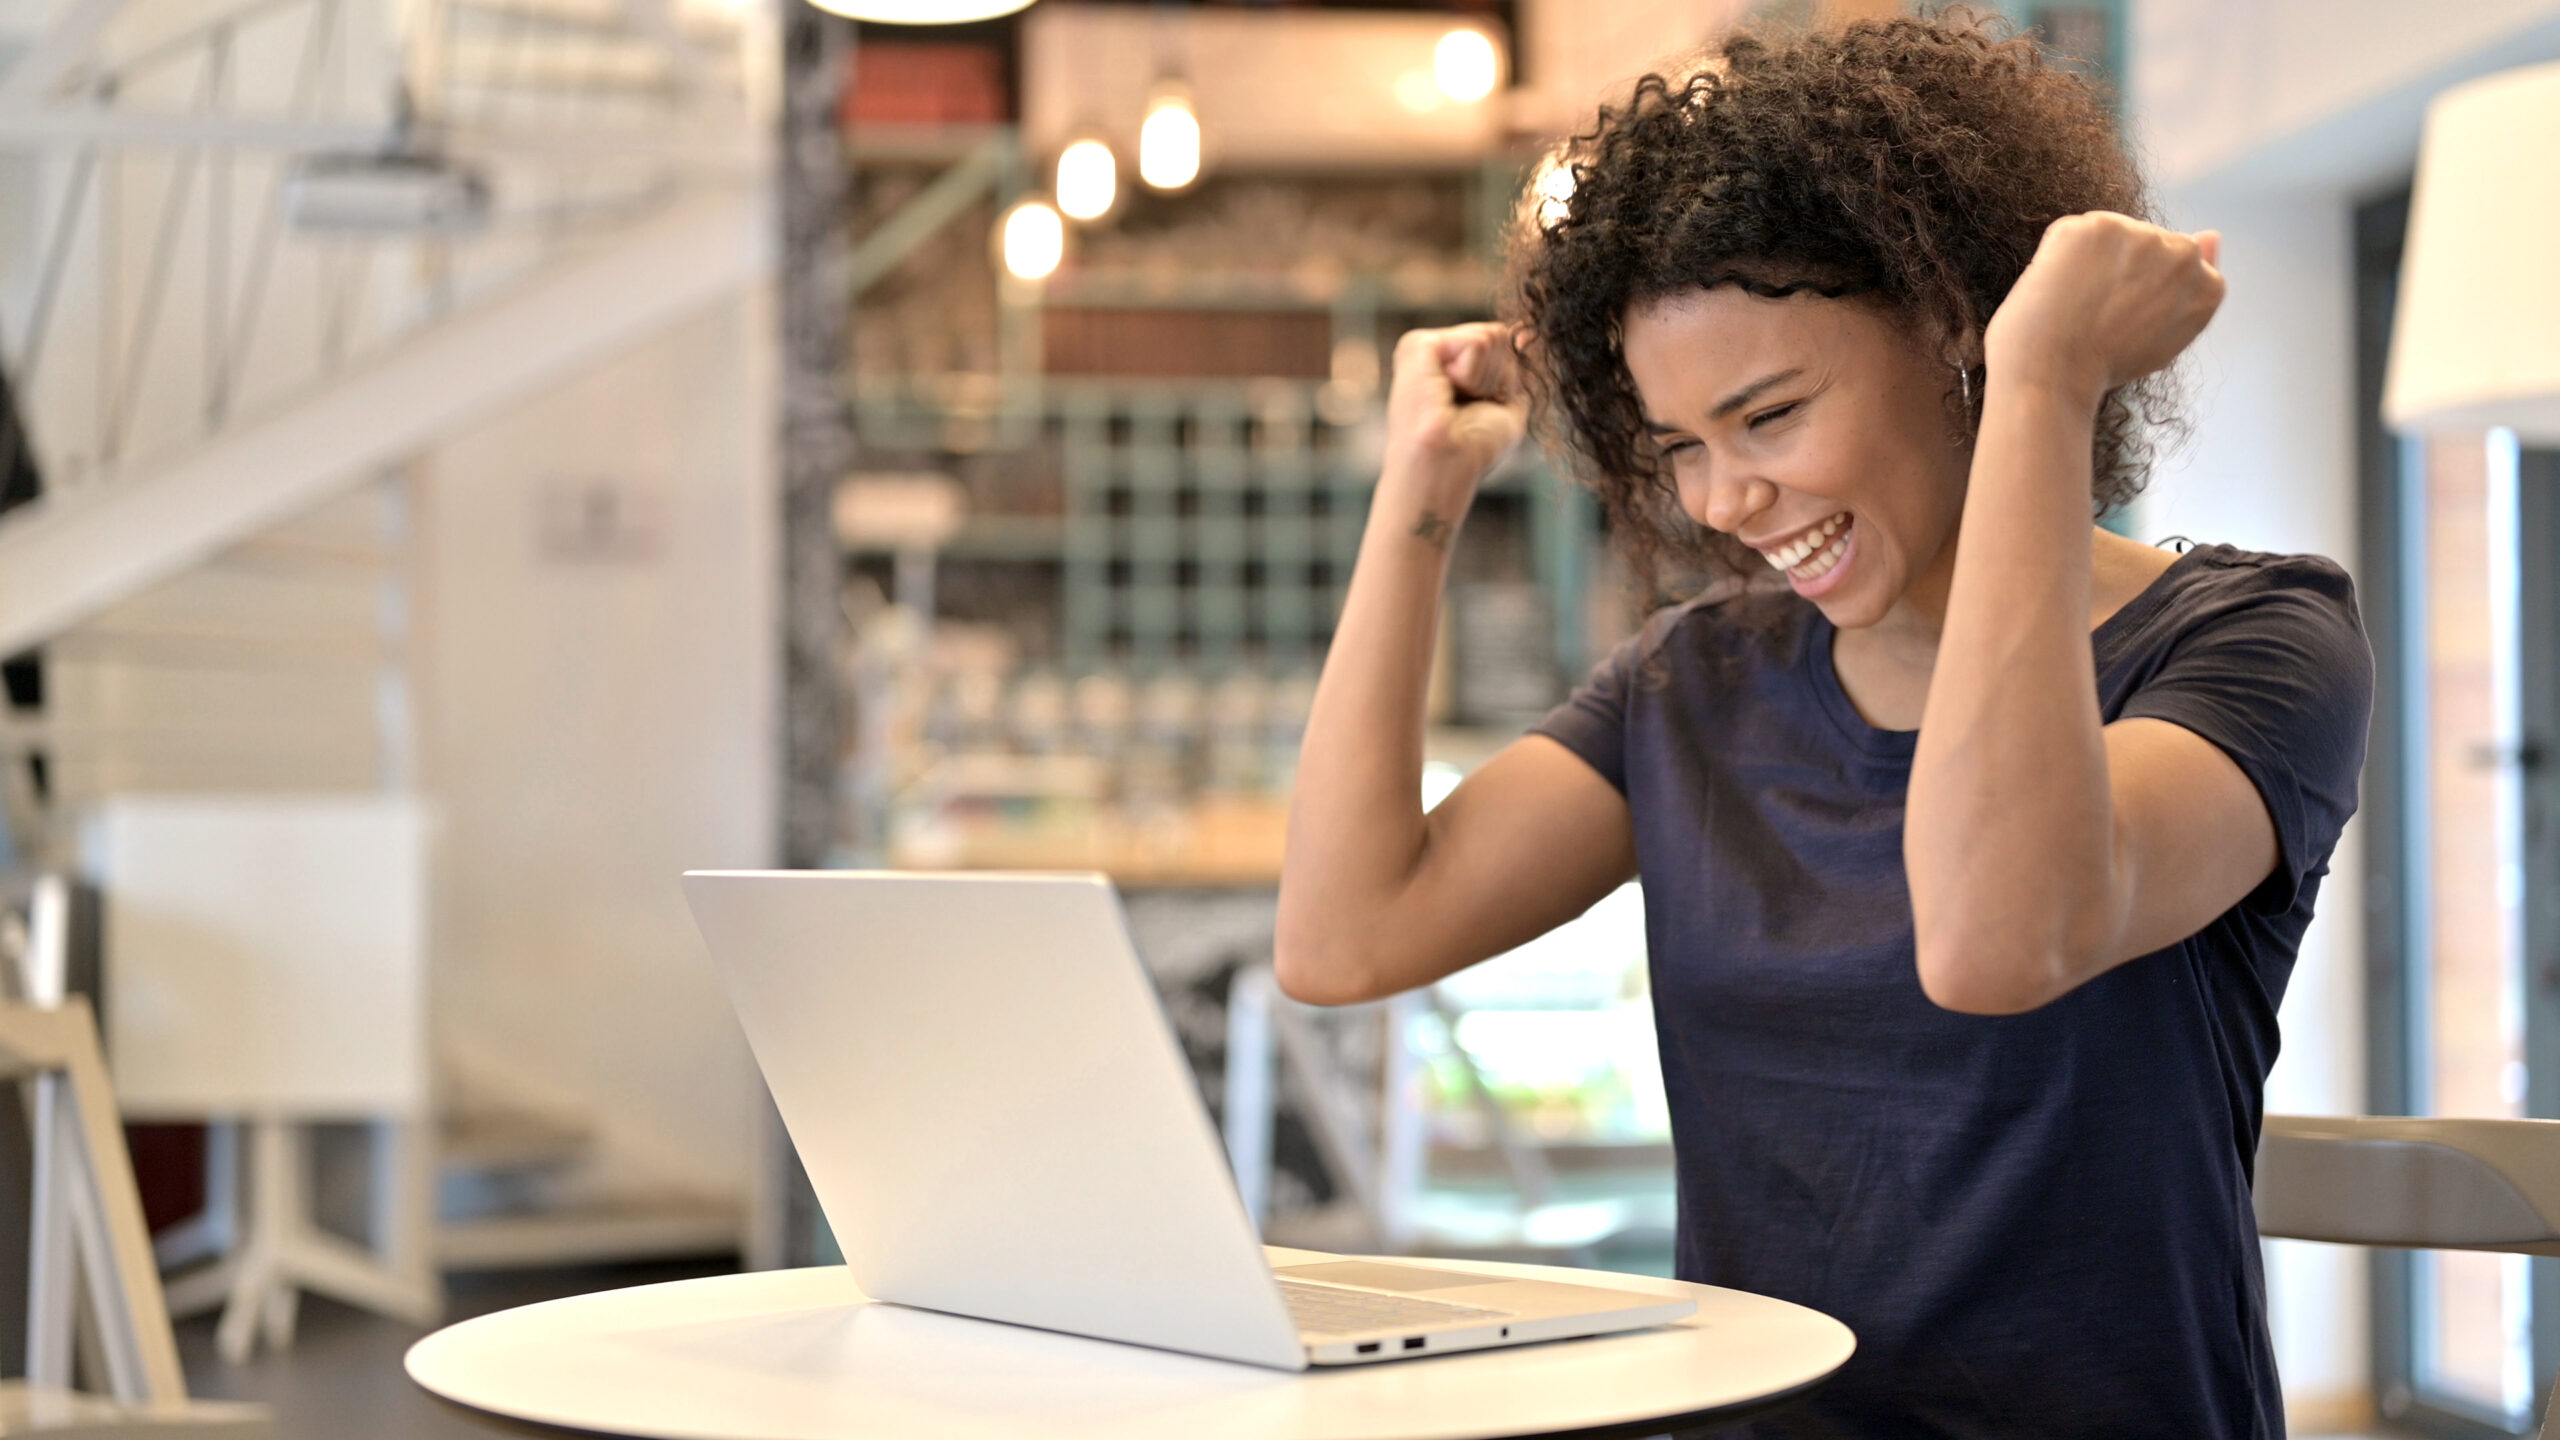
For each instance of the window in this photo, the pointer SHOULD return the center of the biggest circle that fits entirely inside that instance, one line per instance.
(2462, 596)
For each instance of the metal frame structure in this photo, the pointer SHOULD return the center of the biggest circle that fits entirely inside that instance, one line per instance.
(1202, 527)
(195, 364)
(619, 118)
(1209, 523)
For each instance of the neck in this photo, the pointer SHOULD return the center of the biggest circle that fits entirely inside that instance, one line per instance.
(1913, 624)
(1909, 631)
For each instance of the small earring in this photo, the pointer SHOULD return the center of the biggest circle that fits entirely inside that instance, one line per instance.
(1964, 382)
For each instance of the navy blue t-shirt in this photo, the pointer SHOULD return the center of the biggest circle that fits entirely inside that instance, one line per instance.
(2036, 1224)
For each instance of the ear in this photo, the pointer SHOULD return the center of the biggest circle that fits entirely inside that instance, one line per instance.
(1960, 352)
(1961, 349)
(1949, 343)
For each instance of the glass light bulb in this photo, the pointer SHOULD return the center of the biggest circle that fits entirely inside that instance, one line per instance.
(1465, 65)
(1034, 240)
(1088, 179)
(1169, 144)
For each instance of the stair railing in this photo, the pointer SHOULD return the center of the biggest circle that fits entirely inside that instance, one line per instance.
(218, 218)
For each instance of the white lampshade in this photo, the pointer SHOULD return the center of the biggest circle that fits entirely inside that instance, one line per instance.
(921, 12)
(2477, 341)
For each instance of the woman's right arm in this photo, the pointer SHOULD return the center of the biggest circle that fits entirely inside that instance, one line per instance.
(1375, 896)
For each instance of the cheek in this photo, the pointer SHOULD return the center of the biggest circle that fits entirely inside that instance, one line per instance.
(1825, 463)
(1926, 507)
(1689, 485)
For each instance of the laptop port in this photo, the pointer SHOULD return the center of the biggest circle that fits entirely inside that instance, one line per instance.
(1367, 1347)
(1413, 1342)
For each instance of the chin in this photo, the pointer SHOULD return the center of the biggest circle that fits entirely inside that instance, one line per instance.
(1846, 613)
(1854, 606)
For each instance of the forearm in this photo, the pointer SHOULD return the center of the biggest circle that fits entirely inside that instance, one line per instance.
(2008, 837)
(1356, 826)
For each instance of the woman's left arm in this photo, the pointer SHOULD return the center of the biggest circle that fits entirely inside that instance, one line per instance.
(2043, 847)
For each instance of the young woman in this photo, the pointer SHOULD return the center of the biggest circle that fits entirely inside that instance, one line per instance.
(1976, 841)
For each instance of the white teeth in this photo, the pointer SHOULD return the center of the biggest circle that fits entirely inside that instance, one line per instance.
(1803, 547)
(1821, 564)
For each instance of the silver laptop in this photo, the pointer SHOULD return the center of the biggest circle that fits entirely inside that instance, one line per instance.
(999, 1124)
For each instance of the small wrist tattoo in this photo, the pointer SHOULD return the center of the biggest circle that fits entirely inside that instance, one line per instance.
(1431, 530)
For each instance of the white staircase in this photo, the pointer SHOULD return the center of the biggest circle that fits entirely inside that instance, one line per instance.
(199, 356)
(223, 385)
(80, 550)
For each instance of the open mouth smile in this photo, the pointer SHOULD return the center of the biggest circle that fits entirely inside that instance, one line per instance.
(1813, 554)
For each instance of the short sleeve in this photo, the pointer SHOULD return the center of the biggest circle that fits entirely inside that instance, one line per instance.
(2278, 675)
(1592, 722)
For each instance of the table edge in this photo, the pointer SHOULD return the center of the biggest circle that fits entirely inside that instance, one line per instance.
(1638, 1428)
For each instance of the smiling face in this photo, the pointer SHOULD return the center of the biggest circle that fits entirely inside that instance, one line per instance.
(1815, 431)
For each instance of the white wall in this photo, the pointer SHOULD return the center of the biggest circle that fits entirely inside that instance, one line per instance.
(2269, 119)
(1577, 55)
(595, 723)
(2290, 94)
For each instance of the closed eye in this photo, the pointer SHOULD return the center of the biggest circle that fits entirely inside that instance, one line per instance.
(1774, 414)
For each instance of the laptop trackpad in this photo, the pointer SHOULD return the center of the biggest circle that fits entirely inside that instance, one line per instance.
(1374, 1276)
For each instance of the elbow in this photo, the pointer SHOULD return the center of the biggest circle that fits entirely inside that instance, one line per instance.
(1973, 976)
(1313, 973)
(2011, 962)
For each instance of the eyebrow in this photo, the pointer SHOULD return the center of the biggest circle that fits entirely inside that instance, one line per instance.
(1736, 400)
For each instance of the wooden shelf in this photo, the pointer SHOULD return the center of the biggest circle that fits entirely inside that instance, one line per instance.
(1460, 286)
(1217, 843)
(996, 537)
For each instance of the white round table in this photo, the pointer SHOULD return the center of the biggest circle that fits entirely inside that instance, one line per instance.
(802, 1355)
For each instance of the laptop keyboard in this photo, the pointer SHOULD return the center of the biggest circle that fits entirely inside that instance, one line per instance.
(1326, 1310)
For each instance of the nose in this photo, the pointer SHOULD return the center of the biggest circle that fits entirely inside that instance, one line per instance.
(1722, 500)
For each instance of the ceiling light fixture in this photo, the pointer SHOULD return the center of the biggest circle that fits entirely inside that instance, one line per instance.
(920, 12)
(1169, 141)
(1033, 240)
(2476, 345)
(1466, 65)
(1088, 179)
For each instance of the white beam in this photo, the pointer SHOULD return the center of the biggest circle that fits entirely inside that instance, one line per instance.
(46, 127)
(68, 556)
(73, 38)
(725, 142)
(657, 20)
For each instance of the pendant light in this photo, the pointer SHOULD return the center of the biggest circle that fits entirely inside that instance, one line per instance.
(2476, 345)
(1088, 179)
(1465, 65)
(1169, 140)
(1032, 240)
(920, 12)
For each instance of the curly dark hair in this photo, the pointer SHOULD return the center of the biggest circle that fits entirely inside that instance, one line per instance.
(1911, 162)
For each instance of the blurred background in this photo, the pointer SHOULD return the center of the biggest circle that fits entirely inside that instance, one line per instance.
(463, 462)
